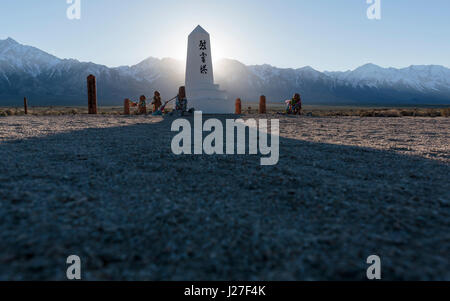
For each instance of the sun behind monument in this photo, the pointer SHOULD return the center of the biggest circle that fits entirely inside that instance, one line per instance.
(202, 93)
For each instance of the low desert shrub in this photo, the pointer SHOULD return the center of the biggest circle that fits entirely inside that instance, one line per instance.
(407, 113)
(366, 113)
(445, 112)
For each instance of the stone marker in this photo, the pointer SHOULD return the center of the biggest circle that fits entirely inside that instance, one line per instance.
(202, 94)
(92, 94)
(238, 109)
(262, 105)
(25, 105)
(126, 107)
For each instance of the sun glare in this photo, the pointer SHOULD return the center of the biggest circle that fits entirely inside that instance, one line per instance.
(176, 45)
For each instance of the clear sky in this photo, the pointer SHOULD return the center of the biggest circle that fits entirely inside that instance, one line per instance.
(325, 34)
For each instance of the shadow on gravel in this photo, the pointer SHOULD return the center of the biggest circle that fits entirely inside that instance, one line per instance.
(119, 199)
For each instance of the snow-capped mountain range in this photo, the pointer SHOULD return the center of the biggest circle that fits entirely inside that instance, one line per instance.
(48, 80)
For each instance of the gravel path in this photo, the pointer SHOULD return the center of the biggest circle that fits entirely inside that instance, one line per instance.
(108, 189)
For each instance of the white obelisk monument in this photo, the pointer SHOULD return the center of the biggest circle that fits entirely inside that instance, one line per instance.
(201, 92)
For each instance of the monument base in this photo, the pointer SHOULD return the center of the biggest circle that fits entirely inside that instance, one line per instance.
(211, 106)
(209, 100)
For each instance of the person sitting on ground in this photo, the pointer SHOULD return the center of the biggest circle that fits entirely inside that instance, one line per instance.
(288, 106)
(294, 106)
(297, 104)
(156, 101)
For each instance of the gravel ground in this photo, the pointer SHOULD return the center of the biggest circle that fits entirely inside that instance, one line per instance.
(108, 188)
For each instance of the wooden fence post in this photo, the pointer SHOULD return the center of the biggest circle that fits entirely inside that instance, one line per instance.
(25, 105)
(238, 107)
(92, 94)
(126, 107)
(262, 105)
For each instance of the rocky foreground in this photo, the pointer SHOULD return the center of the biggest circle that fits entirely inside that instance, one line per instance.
(109, 189)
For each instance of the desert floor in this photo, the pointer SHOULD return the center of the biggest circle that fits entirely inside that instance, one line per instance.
(109, 189)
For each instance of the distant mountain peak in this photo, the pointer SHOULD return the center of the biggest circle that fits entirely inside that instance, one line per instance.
(9, 40)
(25, 58)
(8, 43)
(308, 68)
(369, 66)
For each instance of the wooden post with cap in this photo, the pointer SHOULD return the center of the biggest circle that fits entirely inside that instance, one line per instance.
(262, 105)
(25, 105)
(126, 107)
(92, 94)
(238, 106)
